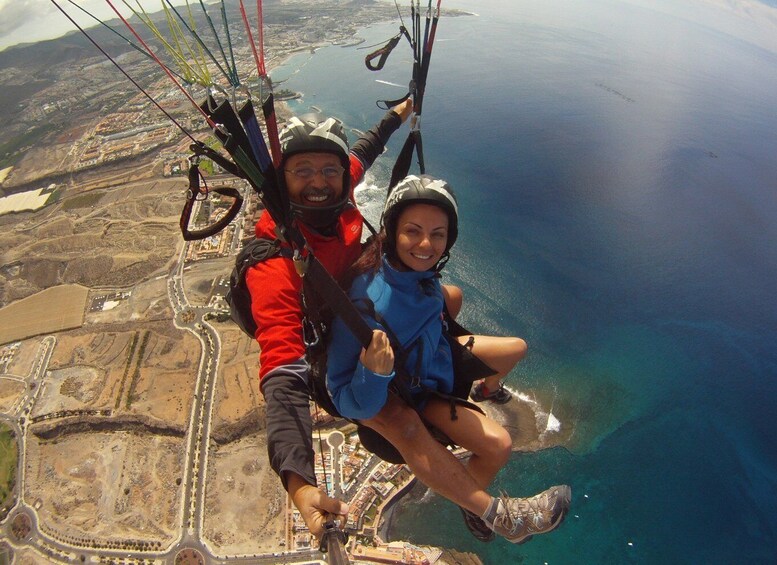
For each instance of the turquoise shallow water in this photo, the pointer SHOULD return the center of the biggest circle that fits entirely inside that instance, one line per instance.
(615, 170)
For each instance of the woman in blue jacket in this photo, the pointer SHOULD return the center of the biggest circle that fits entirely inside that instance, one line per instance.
(398, 286)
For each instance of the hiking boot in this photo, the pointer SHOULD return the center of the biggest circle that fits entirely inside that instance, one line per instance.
(477, 526)
(499, 396)
(518, 519)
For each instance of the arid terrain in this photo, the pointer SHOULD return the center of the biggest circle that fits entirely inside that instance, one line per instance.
(118, 476)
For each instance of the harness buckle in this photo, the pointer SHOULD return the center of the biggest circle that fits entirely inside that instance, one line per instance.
(415, 122)
(300, 263)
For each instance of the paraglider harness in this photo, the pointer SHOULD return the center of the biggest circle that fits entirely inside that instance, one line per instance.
(421, 44)
(322, 298)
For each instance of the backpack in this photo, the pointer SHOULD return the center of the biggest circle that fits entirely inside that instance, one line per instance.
(316, 319)
(238, 297)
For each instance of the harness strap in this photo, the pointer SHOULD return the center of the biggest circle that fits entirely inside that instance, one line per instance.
(324, 285)
(200, 149)
(271, 122)
(402, 165)
(261, 153)
(404, 381)
(223, 114)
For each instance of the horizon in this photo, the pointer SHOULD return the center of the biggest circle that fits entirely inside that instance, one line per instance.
(27, 22)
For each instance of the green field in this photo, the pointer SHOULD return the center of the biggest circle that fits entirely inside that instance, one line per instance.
(12, 150)
(8, 457)
(82, 201)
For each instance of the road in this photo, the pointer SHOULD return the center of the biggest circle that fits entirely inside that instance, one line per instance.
(188, 318)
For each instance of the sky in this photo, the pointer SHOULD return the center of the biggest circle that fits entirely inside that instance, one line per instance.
(35, 20)
(28, 21)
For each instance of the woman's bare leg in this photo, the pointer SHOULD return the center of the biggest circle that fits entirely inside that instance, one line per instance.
(489, 442)
(499, 353)
(454, 298)
(429, 460)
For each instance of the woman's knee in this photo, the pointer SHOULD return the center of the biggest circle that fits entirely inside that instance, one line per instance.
(454, 299)
(496, 446)
(517, 348)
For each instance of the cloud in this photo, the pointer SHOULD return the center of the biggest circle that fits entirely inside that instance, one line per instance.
(36, 20)
(15, 14)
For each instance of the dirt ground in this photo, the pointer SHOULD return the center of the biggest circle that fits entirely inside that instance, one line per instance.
(110, 485)
(50, 311)
(105, 486)
(10, 392)
(95, 369)
(22, 362)
(16, 376)
(110, 231)
(119, 231)
(244, 506)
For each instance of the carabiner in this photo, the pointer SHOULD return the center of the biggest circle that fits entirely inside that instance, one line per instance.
(308, 329)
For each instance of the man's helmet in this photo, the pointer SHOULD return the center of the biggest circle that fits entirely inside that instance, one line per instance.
(424, 189)
(315, 133)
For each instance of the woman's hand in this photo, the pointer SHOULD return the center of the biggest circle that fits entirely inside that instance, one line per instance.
(378, 357)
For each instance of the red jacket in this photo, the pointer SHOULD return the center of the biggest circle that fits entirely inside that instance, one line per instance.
(278, 313)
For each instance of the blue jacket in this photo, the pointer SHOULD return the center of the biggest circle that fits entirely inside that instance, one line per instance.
(411, 304)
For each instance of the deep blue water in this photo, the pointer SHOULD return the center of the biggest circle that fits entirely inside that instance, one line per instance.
(616, 168)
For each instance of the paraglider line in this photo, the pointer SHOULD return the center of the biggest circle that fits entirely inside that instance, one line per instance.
(130, 43)
(211, 123)
(259, 61)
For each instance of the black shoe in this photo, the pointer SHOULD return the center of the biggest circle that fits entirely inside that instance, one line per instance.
(499, 396)
(477, 526)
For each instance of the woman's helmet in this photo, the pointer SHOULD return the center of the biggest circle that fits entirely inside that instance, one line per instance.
(424, 189)
(315, 133)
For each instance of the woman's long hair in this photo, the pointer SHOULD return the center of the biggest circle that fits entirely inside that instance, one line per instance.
(368, 262)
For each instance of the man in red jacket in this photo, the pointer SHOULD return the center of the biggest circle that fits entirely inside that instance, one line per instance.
(319, 174)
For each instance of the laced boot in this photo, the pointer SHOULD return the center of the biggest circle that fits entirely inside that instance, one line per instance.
(518, 519)
(499, 396)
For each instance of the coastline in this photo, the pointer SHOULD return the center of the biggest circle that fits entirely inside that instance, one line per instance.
(387, 513)
(531, 426)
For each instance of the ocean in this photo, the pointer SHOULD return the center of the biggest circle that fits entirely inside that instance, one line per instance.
(616, 168)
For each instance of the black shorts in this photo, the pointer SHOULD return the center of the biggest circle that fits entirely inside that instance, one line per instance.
(467, 368)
